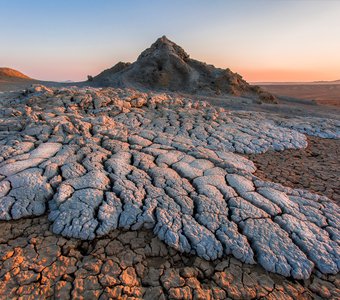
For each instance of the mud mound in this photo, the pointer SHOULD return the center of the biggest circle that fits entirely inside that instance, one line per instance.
(166, 65)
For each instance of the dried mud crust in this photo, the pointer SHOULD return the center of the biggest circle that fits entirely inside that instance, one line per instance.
(37, 264)
(316, 168)
(97, 160)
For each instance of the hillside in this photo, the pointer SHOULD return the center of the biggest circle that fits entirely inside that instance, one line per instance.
(12, 80)
(8, 74)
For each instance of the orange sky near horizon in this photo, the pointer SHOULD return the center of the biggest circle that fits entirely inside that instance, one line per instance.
(253, 75)
(288, 75)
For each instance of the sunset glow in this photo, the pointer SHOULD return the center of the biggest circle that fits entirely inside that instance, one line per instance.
(261, 40)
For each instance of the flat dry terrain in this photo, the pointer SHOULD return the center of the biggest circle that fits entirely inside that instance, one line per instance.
(15, 85)
(326, 94)
(316, 168)
(37, 264)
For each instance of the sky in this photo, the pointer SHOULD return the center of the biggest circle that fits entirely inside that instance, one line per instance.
(263, 40)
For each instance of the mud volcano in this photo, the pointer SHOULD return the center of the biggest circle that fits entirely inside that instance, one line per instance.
(166, 66)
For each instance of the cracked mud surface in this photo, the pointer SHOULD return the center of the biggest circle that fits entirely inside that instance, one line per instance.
(316, 168)
(37, 264)
(98, 160)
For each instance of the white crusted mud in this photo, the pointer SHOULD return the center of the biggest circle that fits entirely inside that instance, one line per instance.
(98, 160)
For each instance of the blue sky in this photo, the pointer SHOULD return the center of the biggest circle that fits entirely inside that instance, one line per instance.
(262, 40)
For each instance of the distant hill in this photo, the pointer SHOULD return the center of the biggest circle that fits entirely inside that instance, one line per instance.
(166, 66)
(327, 82)
(11, 74)
(296, 82)
(12, 80)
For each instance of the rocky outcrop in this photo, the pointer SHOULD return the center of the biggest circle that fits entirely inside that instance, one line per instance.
(103, 159)
(166, 65)
(104, 77)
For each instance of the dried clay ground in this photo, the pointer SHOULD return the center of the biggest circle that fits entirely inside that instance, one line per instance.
(37, 263)
(316, 168)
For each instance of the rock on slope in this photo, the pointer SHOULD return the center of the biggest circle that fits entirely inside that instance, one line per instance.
(166, 65)
(101, 159)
